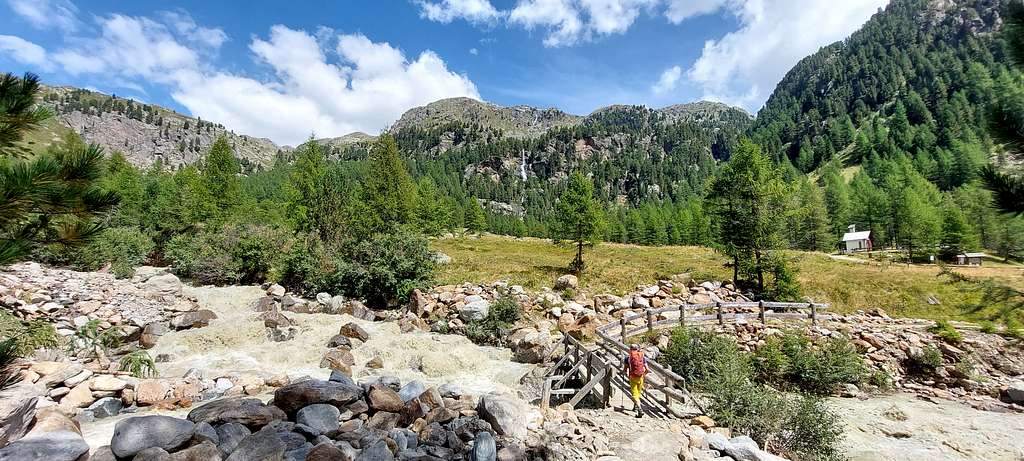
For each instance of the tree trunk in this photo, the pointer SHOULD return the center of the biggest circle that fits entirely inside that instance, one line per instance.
(760, 273)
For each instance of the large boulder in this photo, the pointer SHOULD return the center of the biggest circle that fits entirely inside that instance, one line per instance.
(484, 448)
(54, 437)
(204, 451)
(382, 398)
(475, 310)
(162, 285)
(17, 409)
(138, 433)
(250, 412)
(193, 319)
(1014, 393)
(567, 282)
(151, 391)
(326, 451)
(229, 435)
(507, 415)
(295, 396)
(379, 451)
(263, 445)
(319, 417)
(352, 330)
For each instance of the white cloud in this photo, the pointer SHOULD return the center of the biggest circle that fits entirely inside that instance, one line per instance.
(183, 23)
(325, 83)
(679, 10)
(129, 47)
(474, 51)
(24, 51)
(560, 17)
(569, 22)
(744, 66)
(370, 88)
(45, 14)
(668, 80)
(446, 11)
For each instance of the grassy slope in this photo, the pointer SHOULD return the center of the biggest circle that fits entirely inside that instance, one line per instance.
(613, 268)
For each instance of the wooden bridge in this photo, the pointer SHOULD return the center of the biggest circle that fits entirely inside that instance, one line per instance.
(593, 373)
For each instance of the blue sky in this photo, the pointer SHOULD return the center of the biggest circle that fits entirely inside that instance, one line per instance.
(285, 69)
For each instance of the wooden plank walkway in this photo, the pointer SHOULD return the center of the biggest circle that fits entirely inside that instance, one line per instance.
(597, 370)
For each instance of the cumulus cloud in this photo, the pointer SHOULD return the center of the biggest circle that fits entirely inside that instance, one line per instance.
(568, 22)
(679, 10)
(325, 83)
(24, 51)
(446, 11)
(668, 80)
(744, 66)
(44, 14)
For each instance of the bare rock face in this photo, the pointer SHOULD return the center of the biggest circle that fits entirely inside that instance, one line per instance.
(146, 133)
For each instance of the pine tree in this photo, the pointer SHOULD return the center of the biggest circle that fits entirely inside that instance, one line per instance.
(747, 201)
(1006, 119)
(919, 225)
(19, 113)
(809, 219)
(578, 218)
(388, 195)
(957, 235)
(220, 177)
(475, 220)
(306, 184)
(51, 199)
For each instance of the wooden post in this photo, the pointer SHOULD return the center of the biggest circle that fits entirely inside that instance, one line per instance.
(590, 361)
(814, 314)
(622, 323)
(760, 307)
(606, 383)
(682, 315)
(721, 318)
(650, 320)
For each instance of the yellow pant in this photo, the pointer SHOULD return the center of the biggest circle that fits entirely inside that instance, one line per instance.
(636, 386)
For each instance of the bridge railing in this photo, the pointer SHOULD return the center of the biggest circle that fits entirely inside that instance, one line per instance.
(761, 311)
(671, 384)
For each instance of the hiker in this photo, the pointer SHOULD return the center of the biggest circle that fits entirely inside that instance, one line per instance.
(635, 366)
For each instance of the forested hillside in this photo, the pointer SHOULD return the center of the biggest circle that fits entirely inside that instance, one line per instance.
(885, 131)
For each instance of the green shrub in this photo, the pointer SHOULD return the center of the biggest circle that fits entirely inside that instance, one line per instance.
(928, 361)
(697, 355)
(799, 427)
(504, 312)
(793, 361)
(812, 431)
(988, 327)
(201, 258)
(945, 331)
(124, 248)
(139, 364)
(384, 269)
(880, 379)
(770, 363)
(235, 253)
(27, 335)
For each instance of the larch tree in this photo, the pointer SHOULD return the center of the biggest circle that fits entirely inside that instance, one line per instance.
(1006, 119)
(388, 195)
(219, 175)
(578, 218)
(747, 202)
(474, 219)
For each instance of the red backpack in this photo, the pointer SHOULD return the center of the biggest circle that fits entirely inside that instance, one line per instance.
(637, 364)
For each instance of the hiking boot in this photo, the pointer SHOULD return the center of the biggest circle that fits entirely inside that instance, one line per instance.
(639, 413)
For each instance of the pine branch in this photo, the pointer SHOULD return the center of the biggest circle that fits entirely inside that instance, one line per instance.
(1007, 190)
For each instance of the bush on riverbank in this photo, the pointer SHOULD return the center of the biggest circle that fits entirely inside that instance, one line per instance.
(734, 386)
